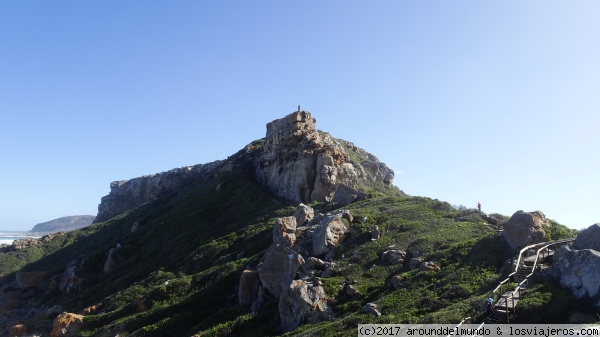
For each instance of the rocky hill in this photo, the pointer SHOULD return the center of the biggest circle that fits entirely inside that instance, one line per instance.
(297, 233)
(64, 224)
(295, 161)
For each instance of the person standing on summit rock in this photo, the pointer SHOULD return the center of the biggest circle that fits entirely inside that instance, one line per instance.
(479, 206)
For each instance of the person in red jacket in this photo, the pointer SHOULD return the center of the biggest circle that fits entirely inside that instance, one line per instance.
(479, 206)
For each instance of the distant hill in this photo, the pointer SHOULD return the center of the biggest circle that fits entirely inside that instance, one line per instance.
(64, 224)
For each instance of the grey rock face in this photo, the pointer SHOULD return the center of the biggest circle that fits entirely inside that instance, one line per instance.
(328, 235)
(297, 162)
(589, 238)
(303, 214)
(128, 194)
(579, 271)
(525, 228)
(70, 279)
(302, 164)
(284, 231)
(303, 303)
(279, 269)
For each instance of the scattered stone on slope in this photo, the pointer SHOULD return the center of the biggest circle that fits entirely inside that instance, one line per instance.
(429, 266)
(328, 235)
(370, 308)
(351, 291)
(525, 228)
(589, 238)
(375, 233)
(348, 215)
(393, 256)
(396, 282)
(415, 262)
(303, 303)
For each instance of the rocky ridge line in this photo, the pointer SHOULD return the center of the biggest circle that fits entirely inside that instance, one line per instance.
(296, 161)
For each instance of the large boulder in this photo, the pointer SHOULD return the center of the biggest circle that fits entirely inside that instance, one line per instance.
(279, 268)
(67, 324)
(328, 235)
(589, 238)
(345, 195)
(525, 228)
(579, 271)
(284, 231)
(303, 303)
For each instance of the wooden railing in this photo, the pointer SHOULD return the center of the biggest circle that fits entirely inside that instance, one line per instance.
(543, 249)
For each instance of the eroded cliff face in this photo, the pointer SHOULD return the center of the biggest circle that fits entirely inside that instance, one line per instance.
(296, 161)
(302, 164)
(128, 194)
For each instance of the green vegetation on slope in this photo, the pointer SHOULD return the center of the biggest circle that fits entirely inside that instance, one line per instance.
(176, 275)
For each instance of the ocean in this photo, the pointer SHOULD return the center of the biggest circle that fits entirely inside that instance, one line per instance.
(9, 237)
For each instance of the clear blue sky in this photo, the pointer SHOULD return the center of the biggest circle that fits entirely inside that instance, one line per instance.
(469, 101)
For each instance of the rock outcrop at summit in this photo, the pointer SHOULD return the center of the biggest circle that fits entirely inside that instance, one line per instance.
(296, 161)
(302, 164)
(525, 228)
